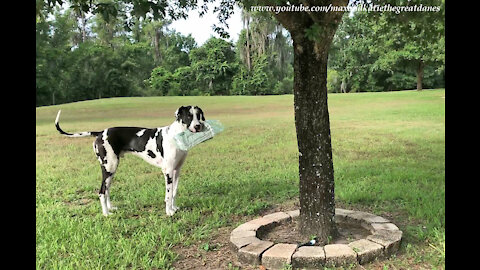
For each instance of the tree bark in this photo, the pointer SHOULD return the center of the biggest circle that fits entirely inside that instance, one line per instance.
(84, 28)
(421, 66)
(81, 26)
(317, 197)
(343, 86)
(249, 64)
(312, 123)
(156, 44)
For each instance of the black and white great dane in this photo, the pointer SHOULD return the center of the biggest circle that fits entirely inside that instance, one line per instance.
(155, 145)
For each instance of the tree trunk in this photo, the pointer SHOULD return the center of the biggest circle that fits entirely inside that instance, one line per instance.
(81, 26)
(421, 66)
(156, 43)
(249, 64)
(317, 197)
(343, 86)
(84, 28)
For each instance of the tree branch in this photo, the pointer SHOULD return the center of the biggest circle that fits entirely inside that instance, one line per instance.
(297, 22)
(325, 17)
(292, 21)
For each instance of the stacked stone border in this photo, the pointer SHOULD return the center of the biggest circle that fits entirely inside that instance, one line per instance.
(384, 241)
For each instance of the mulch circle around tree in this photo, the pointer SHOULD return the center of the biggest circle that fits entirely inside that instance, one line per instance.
(288, 233)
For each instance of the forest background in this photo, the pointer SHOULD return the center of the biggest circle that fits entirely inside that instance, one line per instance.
(84, 56)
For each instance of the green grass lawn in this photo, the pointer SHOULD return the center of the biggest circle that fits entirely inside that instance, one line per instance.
(388, 154)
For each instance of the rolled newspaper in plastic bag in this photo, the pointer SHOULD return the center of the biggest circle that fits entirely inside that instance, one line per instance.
(187, 139)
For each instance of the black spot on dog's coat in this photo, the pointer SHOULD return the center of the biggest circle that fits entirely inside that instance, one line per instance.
(122, 139)
(138, 144)
(102, 152)
(200, 113)
(151, 154)
(105, 175)
(159, 143)
(169, 179)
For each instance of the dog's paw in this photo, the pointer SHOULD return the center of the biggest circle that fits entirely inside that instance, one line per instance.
(107, 214)
(175, 208)
(170, 212)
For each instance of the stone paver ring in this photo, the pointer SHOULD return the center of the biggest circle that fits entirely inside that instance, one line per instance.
(384, 241)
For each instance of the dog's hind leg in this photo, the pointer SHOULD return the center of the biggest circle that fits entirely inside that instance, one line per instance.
(108, 163)
(104, 193)
(108, 182)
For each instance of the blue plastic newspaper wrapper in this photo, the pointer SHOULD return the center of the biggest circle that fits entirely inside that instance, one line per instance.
(187, 139)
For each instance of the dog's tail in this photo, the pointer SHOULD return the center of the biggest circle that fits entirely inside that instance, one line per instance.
(74, 135)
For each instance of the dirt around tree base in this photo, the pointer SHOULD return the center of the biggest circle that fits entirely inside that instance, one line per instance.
(221, 256)
(288, 233)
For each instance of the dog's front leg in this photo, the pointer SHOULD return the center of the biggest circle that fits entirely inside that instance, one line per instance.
(169, 193)
(176, 178)
(176, 174)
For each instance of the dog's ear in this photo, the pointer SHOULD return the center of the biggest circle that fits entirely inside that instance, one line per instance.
(176, 112)
(200, 112)
(183, 110)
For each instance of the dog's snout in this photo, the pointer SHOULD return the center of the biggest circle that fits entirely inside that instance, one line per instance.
(198, 127)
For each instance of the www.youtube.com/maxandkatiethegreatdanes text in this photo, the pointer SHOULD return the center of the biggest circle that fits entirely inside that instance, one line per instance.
(348, 8)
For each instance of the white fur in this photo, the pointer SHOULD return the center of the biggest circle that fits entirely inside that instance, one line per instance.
(103, 203)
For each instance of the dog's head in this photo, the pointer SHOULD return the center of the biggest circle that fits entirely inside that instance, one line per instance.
(191, 117)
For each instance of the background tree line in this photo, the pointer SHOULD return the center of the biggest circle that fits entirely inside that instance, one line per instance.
(82, 56)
